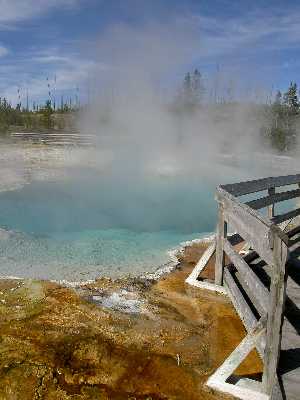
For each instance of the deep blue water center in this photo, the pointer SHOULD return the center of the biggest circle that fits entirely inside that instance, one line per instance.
(92, 225)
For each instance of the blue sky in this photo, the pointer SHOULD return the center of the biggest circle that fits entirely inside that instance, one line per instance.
(256, 42)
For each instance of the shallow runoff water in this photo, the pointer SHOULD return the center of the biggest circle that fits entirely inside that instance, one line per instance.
(93, 224)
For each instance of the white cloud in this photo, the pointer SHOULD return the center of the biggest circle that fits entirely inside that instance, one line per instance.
(256, 31)
(12, 11)
(208, 39)
(3, 51)
(65, 73)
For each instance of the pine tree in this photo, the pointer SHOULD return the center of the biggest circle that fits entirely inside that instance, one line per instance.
(187, 86)
(283, 119)
(197, 87)
(47, 111)
(290, 98)
(193, 89)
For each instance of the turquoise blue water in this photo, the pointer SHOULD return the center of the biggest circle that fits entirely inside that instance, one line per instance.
(93, 226)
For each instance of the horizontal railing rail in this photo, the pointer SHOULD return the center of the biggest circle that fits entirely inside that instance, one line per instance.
(272, 199)
(258, 185)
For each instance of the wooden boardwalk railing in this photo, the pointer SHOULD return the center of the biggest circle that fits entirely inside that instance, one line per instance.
(255, 279)
(55, 138)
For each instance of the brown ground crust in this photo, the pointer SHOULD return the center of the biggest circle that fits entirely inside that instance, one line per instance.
(56, 344)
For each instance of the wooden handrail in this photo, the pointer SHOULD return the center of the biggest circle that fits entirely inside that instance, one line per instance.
(270, 242)
(257, 290)
(258, 185)
(275, 198)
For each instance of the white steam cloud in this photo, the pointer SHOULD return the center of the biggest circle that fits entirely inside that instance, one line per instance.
(134, 107)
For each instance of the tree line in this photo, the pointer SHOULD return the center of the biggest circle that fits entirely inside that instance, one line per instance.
(280, 116)
(283, 120)
(39, 117)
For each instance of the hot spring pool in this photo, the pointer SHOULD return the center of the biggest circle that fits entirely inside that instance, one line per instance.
(80, 229)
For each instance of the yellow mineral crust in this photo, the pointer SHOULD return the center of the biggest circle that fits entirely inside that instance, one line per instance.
(61, 343)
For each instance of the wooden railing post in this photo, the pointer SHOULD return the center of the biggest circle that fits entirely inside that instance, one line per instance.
(220, 255)
(275, 315)
(271, 208)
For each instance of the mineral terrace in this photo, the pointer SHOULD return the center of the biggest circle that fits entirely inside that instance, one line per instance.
(127, 339)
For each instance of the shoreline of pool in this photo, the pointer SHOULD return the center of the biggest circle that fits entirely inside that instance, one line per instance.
(161, 270)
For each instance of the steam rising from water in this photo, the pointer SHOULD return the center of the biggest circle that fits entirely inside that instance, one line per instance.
(149, 182)
(137, 114)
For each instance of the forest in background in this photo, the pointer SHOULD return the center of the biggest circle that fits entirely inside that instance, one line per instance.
(279, 116)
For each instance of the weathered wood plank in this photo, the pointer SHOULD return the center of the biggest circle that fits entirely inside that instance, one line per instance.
(252, 226)
(252, 231)
(240, 352)
(209, 252)
(275, 315)
(268, 240)
(239, 302)
(294, 231)
(242, 308)
(218, 379)
(62, 134)
(274, 198)
(251, 256)
(277, 231)
(230, 201)
(289, 366)
(238, 392)
(286, 216)
(258, 185)
(251, 294)
(207, 286)
(271, 208)
(249, 280)
(220, 256)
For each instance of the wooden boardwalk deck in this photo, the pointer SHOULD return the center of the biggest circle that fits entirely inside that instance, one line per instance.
(259, 268)
(55, 138)
(289, 362)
